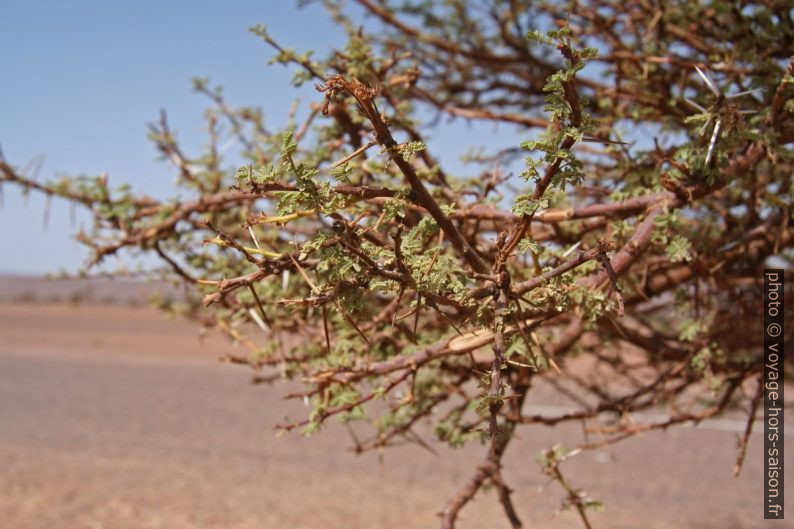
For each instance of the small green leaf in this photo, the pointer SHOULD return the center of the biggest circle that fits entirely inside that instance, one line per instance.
(288, 145)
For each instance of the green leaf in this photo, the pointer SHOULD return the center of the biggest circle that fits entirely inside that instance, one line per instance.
(690, 329)
(679, 249)
(409, 150)
(288, 145)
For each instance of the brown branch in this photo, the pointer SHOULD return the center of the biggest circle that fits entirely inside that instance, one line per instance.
(364, 96)
(748, 429)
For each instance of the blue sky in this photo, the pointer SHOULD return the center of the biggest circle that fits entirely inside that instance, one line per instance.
(83, 78)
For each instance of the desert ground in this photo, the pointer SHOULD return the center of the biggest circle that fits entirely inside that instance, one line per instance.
(112, 416)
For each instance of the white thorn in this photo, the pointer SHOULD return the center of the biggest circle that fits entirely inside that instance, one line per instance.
(257, 319)
(570, 250)
(253, 237)
(708, 80)
(713, 140)
(695, 105)
(746, 92)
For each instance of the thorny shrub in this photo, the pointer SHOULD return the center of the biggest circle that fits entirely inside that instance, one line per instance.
(657, 183)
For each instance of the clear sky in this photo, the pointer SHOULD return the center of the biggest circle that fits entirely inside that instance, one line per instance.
(82, 78)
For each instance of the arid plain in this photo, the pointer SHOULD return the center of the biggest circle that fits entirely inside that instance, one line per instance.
(112, 416)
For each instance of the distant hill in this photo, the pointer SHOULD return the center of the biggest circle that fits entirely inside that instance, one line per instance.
(40, 289)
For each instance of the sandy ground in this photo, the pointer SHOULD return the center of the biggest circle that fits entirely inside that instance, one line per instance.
(112, 417)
